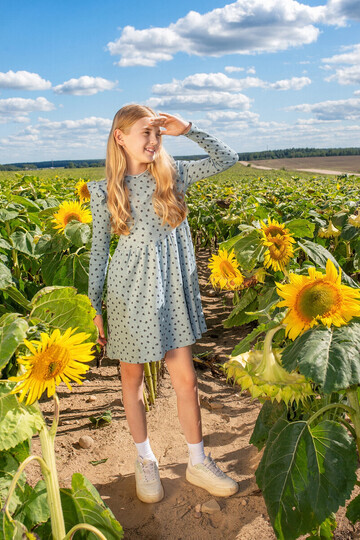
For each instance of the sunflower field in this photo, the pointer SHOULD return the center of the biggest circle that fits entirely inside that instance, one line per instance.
(287, 246)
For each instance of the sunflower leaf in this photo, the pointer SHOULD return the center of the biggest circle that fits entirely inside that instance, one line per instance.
(17, 422)
(328, 357)
(305, 474)
(319, 255)
(83, 504)
(12, 332)
(300, 227)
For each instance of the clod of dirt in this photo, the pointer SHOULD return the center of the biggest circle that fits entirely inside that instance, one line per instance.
(210, 507)
(86, 442)
(91, 399)
(216, 405)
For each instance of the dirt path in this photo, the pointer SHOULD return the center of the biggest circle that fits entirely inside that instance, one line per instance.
(228, 420)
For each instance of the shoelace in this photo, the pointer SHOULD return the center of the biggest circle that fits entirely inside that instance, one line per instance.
(149, 469)
(211, 465)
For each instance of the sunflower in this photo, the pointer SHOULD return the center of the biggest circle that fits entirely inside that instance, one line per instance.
(69, 210)
(82, 190)
(54, 358)
(225, 272)
(354, 220)
(317, 298)
(279, 242)
(329, 232)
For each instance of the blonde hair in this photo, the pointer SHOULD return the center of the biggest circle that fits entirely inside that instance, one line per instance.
(168, 202)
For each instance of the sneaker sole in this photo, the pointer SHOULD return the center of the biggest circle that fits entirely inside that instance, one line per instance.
(217, 492)
(150, 498)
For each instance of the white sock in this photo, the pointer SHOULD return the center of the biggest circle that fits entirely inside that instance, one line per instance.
(144, 450)
(196, 451)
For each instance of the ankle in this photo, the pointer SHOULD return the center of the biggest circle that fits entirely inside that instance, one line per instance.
(144, 450)
(196, 452)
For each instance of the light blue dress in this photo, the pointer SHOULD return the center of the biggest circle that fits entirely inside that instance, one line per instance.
(153, 300)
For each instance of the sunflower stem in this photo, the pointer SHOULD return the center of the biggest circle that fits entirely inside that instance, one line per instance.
(348, 250)
(352, 395)
(321, 411)
(47, 438)
(44, 468)
(87, 527)
(55, 423)
(149, 382)
(153, 367)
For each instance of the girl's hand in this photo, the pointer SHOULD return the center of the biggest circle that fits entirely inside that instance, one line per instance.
(172, 124)
(98, 321)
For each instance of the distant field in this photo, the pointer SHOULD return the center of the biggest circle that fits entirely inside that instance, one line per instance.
(346, 164)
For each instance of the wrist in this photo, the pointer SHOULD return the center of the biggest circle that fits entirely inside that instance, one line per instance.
(186, 129)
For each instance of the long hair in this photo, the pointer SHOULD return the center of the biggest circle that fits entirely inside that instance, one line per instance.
(168, 202)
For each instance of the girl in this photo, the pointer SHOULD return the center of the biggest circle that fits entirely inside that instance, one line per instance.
(153, 300)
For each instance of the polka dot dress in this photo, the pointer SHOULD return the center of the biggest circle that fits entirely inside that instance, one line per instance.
(153, 299)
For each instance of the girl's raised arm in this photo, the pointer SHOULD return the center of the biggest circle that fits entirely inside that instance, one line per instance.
(101, 234)
(221, 157)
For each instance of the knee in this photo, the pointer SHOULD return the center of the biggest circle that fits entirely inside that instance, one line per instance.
(132, 375)
(186, 384)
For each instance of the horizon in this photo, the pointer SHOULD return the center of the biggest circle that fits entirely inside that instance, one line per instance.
(281, 73)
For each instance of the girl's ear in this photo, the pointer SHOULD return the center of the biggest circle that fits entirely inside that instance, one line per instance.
(118, 137)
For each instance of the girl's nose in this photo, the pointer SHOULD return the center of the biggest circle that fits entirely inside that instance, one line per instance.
(153, 138)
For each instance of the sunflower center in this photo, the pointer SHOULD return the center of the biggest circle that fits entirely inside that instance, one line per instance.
(71, 216)
(51, 362)
(277, 249)
(273, 230)
(84, 191)
(227, 269)
(317, 300)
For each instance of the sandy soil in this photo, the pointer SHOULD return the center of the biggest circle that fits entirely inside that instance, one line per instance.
(336, 165)
(228, 419)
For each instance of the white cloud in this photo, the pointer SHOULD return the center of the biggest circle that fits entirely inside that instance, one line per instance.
(16, 109)
(23, 80)
(251, 71)
(221, 82)
(201, 101)
(243, 27)
(84, 86)
(343, 109)
(344, 9)
(357, 93)
(232, 69)
(66, 139)
(348, 74)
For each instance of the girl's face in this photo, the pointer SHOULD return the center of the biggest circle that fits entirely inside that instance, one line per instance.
(141, 143)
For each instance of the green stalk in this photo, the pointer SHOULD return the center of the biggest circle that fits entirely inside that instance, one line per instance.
(268, 361)
(44, 468)
(352, 395)
(348, 250)
(87, 527)
(321, 411)
(149, 382)
(52, 483)
(153, 368)
(146, 403)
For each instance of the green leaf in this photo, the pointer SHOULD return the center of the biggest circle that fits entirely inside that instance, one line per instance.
(13, 330)
(8, 468)
(19, 298)
(248, 302)
(101, 418)
(4, 244)
(35, 508)
(51, 244)
(325, 530)
(98, 461)
(73, 270)
(305, 474)
(23, 241)
(24, 201)
(17, 422)
(248, 250)
(330, 357)
(320, 255)
(62, 307)
(353, 510)
(245, 343)
(300, 228)
(7, 215)
(349, 232)
(268, 416)
(78, 233)
(5, 276)
(83, 504)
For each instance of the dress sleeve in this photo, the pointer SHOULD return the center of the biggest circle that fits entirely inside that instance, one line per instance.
(221, 157)
(100, 247)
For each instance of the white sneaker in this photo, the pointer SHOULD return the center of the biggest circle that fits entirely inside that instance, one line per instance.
(148, 485)
(209, 476)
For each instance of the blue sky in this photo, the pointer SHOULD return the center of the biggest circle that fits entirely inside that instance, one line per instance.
(257, 73)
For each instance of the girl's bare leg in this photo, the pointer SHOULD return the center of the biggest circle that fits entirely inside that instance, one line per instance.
(132, 380)
(183, 377)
